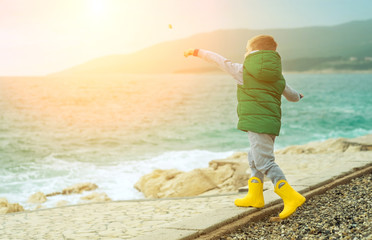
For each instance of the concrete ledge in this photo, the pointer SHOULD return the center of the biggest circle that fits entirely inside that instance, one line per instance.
(213, 219)
(268, 211)
(204, 224)
(201, 224)
(270, 198)
(310, 182)
(169, 234)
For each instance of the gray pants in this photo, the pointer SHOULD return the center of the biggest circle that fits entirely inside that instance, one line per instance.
(261, 157)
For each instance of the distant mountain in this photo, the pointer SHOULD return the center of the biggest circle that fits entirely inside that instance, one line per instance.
(345, 46)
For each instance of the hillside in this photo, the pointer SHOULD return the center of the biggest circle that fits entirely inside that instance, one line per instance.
(347, 46)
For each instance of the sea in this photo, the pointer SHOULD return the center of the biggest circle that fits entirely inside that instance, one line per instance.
(56, 131)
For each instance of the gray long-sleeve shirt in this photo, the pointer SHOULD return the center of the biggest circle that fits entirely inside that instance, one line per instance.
(236, 71)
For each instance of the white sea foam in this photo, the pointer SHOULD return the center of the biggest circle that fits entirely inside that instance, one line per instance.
(116, 180)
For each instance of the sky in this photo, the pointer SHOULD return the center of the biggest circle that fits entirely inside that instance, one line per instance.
(38, 37)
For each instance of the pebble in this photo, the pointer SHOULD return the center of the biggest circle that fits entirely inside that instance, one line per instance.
(343, 212)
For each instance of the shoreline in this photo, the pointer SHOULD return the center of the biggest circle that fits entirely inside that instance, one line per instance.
(292, 159)
(165, 218)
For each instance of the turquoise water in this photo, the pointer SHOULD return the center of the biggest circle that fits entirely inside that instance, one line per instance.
(111, 130)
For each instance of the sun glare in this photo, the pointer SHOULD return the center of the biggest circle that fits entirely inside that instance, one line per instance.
(97, 7)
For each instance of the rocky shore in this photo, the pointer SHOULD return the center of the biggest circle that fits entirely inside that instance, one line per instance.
(38, 198)
(230, 174)
(308, 166)
(344, 212)
(220, 177)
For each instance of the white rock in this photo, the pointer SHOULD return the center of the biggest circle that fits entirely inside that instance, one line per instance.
(38, 197)
(6, 207)
(79, 188)
(96, 197)
(225, 175)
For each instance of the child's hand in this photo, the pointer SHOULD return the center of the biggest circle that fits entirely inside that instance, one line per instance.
(301, 96)
(188, 52)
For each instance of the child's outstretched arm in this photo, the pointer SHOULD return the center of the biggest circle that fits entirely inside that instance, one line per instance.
(291, 95)
(234, 69)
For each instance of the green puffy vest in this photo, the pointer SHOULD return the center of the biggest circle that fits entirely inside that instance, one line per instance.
(259, 98)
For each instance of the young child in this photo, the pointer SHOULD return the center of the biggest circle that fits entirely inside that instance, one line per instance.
(260, 86)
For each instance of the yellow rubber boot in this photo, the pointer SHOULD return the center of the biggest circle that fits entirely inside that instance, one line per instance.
(255, 197)
(292, 199)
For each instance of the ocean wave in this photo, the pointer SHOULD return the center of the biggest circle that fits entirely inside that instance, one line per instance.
(53, 174)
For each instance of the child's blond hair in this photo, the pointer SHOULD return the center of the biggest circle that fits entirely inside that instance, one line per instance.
(261, 42)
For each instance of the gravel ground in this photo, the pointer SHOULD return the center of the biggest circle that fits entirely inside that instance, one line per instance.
(343, 212)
